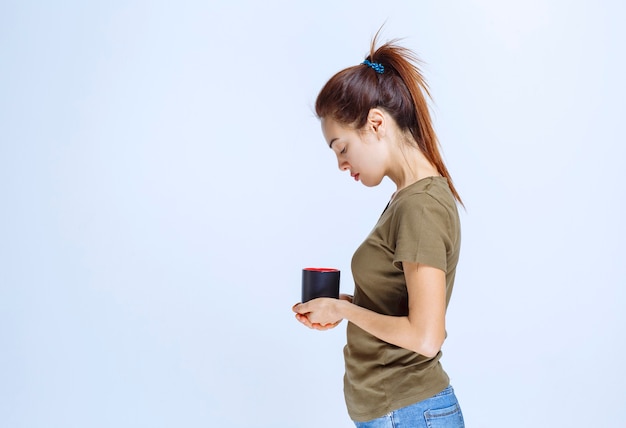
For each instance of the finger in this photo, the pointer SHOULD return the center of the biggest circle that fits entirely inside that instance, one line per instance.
(304, 320)
(324, 327)
(321, 327)
(332, 325)
(347, 297)
(301, 308)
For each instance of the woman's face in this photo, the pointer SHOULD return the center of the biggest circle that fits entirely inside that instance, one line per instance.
(359, 151)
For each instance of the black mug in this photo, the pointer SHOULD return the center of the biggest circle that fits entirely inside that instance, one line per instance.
(319, 282)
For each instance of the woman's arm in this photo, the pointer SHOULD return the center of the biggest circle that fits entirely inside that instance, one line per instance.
(422, 331)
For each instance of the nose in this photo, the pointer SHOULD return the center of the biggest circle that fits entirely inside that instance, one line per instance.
(343, 165)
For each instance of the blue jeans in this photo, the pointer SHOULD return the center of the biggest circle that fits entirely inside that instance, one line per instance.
(439, 411)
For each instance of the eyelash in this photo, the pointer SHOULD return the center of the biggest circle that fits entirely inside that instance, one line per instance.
(342, 152)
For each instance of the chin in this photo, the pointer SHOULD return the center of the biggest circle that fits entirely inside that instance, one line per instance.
(371, 183)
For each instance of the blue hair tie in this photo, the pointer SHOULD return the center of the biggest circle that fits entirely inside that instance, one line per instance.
(377, 67)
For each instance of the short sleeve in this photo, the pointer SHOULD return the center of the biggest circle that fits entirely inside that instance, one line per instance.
(422, 228)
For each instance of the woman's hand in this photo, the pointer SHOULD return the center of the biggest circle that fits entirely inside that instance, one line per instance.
(346, 297)
(322, 313)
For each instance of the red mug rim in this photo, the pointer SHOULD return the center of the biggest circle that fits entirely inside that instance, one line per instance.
(321, 269)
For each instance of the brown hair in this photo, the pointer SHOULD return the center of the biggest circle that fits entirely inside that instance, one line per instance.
(400, 90)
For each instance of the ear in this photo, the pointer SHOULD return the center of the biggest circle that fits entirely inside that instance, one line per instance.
(377, 122)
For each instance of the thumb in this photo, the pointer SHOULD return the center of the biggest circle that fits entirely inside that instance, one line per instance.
(300, 308)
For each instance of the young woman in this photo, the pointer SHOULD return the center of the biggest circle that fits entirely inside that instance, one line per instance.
(375, 119)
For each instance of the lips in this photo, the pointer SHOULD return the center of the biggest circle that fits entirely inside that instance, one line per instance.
(355, 176)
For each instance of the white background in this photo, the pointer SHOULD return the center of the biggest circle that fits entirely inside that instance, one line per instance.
(163, 180)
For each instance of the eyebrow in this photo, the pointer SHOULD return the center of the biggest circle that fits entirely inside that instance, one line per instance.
(330, 145)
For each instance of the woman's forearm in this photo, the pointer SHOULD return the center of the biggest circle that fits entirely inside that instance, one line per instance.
(397, 330)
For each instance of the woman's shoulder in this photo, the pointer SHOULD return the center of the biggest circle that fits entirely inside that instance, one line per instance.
(427, 191)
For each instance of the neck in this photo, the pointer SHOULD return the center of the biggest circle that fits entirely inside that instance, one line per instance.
(409, 165)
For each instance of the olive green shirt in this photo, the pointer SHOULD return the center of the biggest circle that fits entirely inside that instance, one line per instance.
(420, 225)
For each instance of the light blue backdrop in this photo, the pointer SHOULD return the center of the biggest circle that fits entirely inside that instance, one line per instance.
(163, 180)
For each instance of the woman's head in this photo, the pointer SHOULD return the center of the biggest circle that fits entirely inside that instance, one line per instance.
(389, 79)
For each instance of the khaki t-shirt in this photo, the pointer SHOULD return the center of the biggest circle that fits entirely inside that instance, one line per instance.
(420, 225)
